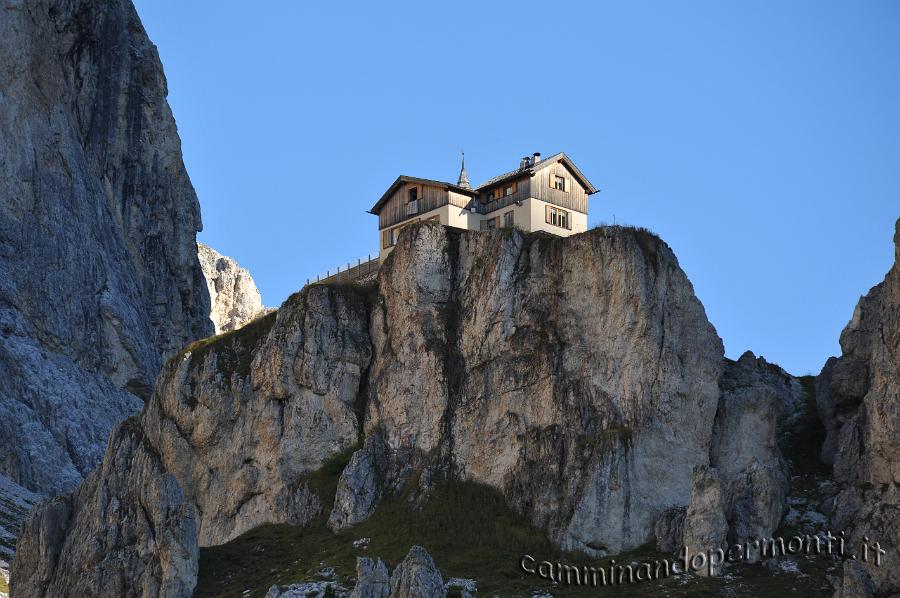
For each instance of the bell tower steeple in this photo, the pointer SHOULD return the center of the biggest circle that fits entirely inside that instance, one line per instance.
(463, 180)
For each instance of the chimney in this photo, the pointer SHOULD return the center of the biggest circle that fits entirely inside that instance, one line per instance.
(535, 158)
(523, 163)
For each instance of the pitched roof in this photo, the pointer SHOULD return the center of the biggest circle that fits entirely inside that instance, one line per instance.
(512, 174)
(530, 170)
(411, 179)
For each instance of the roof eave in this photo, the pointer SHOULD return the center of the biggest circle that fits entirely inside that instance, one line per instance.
(411, 179)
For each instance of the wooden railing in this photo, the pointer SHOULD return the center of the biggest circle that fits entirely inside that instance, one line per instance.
(363, 271)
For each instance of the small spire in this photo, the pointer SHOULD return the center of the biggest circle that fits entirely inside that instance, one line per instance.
(463, 180)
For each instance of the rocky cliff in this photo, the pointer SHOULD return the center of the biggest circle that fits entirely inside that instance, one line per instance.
(99, 278)
(233, 295)
(859, 399)
(15, 503)
(578, 376)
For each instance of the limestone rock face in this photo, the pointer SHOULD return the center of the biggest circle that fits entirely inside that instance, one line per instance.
(756, 405)
(240, 422)
(15, 502)
(705, 525)
(417, 577)
(233, 295)
(859, 399)
(229, 436)
(578, 376)
(372, 579)
(748, 482)
(361, 486)
(126, 531)
(669, 530)
(99, 278)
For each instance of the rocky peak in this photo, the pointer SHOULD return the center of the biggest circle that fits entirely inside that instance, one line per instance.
(233, 295)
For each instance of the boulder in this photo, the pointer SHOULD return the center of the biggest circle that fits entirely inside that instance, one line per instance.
(705, 524)
(372, 579)
(417, 577)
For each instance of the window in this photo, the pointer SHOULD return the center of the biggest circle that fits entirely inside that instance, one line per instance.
(412, 203)
(490, 224)
(504, 191)
(508, 219)
(558, 217)
(389, 237)
(559, 182)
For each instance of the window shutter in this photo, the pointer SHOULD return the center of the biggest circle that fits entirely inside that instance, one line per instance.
(547, 214)
(566, 184)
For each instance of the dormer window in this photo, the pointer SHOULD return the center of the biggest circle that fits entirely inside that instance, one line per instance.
(559, 182)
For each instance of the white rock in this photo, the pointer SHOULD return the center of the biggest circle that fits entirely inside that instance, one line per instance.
(234, 298)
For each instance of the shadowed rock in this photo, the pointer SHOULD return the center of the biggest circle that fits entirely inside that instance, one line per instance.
(372, 579)
(99, 278)
(858, 395)
(417, 577)
(705, 525)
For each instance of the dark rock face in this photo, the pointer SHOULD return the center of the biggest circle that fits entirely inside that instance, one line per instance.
(669, 530)
(15, 502)
(99, 277)
(859, 399)
(372, 579)
(756, 407)
(126, 531)
(705, 525)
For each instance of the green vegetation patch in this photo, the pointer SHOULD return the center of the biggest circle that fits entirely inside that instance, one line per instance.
(466, 527)
(234, 349)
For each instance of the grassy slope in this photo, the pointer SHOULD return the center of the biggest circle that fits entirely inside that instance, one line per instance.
(466, 527)
(471, 533)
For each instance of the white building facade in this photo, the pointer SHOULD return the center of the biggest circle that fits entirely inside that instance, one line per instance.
(549, 195)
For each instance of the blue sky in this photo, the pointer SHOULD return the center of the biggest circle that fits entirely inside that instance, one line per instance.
(761, 140)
